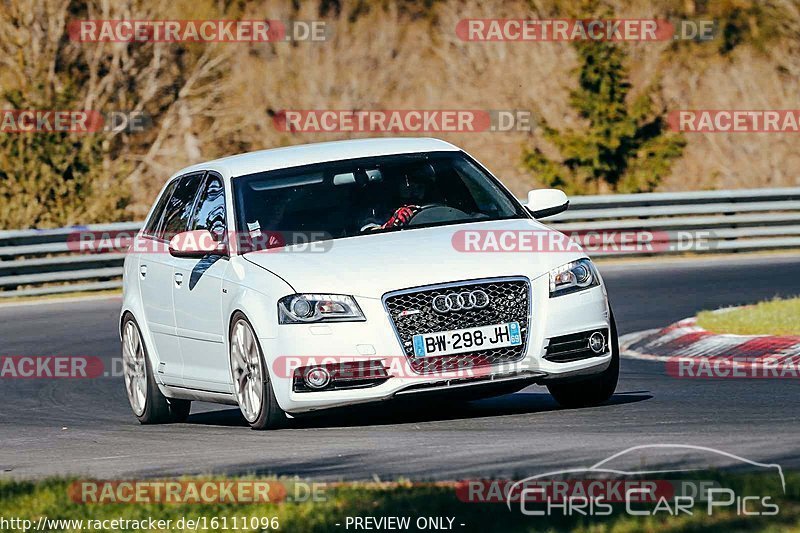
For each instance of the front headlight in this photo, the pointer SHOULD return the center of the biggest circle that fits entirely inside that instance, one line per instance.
(305, 308)
(573, 277)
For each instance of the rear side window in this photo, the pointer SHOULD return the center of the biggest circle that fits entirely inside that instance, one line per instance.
(180, 206)
(151, 228)
(210, 212)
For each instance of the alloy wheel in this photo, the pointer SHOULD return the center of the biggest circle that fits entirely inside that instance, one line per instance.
(246, 370)
(135, 368)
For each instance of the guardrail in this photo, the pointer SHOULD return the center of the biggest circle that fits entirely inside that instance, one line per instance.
(41, 262)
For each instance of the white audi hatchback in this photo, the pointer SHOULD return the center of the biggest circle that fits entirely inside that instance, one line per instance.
(298, 279)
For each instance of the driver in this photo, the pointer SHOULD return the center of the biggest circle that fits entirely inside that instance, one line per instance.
(413, 192)
(402, 216)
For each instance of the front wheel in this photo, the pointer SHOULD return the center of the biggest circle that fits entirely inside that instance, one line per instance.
(251, 380)
(595, 389)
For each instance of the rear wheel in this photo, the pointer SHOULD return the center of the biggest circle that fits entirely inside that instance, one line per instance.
(148, 404)
(251, 379)
(593, 390)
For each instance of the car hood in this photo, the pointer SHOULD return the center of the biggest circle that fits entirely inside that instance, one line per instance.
(371, 265)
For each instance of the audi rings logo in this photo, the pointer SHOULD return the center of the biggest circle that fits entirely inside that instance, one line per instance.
(460, 301)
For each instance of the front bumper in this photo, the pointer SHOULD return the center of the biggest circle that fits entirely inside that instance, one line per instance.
(376, 339)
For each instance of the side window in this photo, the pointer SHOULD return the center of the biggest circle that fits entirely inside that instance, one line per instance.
(151, 228)
(180, 205)
(210, 212)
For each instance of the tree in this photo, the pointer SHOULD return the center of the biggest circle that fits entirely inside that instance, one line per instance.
(624, 148)
(62, 178)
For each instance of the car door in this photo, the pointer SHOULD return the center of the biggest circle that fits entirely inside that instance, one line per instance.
(156, 276)
(197, 293)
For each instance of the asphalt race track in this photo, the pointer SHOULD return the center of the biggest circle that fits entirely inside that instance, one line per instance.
(85, 427)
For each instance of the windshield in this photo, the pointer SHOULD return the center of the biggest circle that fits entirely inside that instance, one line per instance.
(378, 194)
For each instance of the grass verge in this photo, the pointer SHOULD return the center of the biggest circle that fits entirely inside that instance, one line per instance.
(51, 499)
(773, 317)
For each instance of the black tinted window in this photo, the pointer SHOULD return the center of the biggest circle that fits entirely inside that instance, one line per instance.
(210, 212)
(151, 228)
(179, 207)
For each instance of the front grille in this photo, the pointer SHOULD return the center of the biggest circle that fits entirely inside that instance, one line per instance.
(509, 302)
(575, 347)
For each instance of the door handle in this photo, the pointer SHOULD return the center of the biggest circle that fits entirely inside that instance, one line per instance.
(178, 279)
(143, 271)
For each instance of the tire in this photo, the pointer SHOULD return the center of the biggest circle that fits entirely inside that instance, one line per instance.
(157, 409)
(593, 390)
(248, 372)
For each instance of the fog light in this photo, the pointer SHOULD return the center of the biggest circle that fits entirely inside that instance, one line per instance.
(317, 377)
(597, 342)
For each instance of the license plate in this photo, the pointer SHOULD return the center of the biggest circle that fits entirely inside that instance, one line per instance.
(467, 340)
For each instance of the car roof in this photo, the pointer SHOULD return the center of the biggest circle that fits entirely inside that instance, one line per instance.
(306, 154)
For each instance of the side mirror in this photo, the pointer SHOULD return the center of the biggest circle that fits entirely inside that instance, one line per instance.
(198, 243)
(547, 202)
